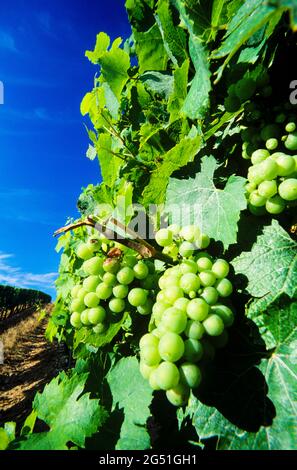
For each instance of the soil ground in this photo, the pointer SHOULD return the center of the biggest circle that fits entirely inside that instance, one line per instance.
(30, 362)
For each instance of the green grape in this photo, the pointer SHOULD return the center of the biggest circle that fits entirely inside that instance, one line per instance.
(174, 229)
(194, 329)
(90, 283)
(148, 340)
(84, 252)
(189, 282)
(192, 294)
(77, 305)
(84, 317)
(153, 380)
(255, 175)
(116, 305)
(120, 291)
(258, 211)
(207, 278)
(267, 189)
(75, 320)
(286, 165)
(129, 261)
(174, 320)
(137, 297)
(169, 281)
(171, 294)
(204, 264)
(75, 290)
(290, 127)
(167, 375)
(224, 287)
(149, 283)
(288, 189)
(269, 169)
(291, 141)
(203, 241)
(145, 309)
(259, 156)
(171, 250)
(190, 374)
(93, 266)
(111, 265)
(220, 268)
(193, 350)
(109, 279)
(146, 370)
(214, 325)
(270, 131)
(181, 304)
(271, 144)
(104, 291)
(150, 355)
(141, 271)
(232, 104)
(188, 266)
(164, 237)
(158, 310)
(256, 199)
(197, 309)
(203, 254)
(190, 233)
(275, 205)
(245, 88)
(179, 395)
(125, 275)
(171, 347)
(210, 295)
(280, 118)
(81, 294)
(224, 312)
(161, 330)
(160, 297)
(91, 300)
(231, 90)
(96, 315)
(99, 328)
(250, 187)
(186, 249)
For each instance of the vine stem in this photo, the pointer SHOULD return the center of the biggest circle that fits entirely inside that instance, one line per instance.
(145, 249)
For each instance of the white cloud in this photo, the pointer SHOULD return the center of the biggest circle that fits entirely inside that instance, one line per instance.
(16, 277)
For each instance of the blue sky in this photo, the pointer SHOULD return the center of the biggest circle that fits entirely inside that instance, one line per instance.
(42, 138)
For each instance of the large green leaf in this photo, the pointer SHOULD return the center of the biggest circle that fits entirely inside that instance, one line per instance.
(132, 393)
(150, 50)
(70, 414)
(270, 268)
(184, 152)
(179, 93)
(197, 101)
(198, 200)
(174, 37)
(279, 369)
(109, 163)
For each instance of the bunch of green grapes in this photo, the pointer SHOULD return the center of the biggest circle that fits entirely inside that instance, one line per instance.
(112, 282)
(189, 308)
(244, 89)
(272, 177)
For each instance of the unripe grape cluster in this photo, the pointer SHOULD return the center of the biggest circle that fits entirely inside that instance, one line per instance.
(189, 316)
(272, 177)
(113, 282)
(244, 89)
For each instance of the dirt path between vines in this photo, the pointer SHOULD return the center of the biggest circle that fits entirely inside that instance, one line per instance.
(29, 363)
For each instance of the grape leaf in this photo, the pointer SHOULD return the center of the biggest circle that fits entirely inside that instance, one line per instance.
(179, 93)
(71, 415)
(109, 163)
(216, 211)
(184, 152)
(197, 101)
(150, 50)
(158, 82)
(196, 16)
(131, 392)
(174, 38)
(270, 267)
(280, 371)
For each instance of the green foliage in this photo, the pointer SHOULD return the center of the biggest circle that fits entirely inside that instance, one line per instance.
(131, 393)
(168, 128)
(71, 415)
